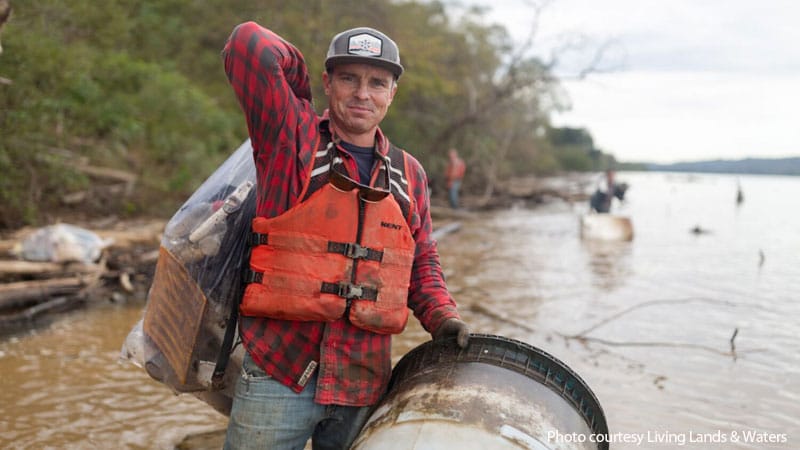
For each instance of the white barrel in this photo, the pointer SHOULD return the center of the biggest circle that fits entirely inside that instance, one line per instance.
(497, 394)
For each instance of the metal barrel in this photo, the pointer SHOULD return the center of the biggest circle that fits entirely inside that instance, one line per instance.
(498, 393)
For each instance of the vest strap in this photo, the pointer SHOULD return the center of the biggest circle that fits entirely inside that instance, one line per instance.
(251, 276)
(350, 291)
(258, 239)
(355, 251)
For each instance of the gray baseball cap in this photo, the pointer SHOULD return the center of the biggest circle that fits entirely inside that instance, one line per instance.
(364, 45)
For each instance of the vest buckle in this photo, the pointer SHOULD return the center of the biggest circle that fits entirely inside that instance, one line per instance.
(355, 251)
(350, 291)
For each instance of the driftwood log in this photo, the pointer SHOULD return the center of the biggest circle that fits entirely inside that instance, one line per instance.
(13, 295)
(15, 267)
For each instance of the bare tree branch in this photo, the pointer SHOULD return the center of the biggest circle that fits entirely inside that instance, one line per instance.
(647, 305)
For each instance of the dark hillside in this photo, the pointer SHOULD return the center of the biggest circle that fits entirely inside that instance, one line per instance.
(756, 166)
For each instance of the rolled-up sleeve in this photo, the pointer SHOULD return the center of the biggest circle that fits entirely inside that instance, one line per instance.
(428, 295)
(270, 80)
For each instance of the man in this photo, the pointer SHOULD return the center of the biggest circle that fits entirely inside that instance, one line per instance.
(453, 175)
(342, 242)
(600, 201)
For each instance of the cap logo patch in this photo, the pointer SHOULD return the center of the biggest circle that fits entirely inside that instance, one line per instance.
(364, 45)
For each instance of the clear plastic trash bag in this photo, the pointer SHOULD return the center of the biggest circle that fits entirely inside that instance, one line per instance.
(198, 281)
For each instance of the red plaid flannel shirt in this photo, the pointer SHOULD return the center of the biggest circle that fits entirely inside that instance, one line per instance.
(270, 79)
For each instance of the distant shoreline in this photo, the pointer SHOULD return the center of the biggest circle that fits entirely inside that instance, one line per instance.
(749, 166)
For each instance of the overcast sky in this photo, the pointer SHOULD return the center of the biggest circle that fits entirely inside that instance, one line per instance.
(693, 79)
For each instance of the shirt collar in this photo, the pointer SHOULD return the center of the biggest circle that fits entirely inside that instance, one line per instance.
(381, 141)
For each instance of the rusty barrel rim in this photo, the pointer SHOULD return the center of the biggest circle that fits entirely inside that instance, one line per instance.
(513, 355)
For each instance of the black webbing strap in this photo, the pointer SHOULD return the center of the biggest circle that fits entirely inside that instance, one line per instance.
(355, 251)
(226, 348)
(248, 275)
(217, 379)
(350, 291)
(258, 239)
(231, 326)
(251, 276)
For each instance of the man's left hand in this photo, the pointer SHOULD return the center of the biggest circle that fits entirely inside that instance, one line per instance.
(453, 327)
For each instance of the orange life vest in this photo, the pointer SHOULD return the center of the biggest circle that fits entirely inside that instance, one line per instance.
(333, 254)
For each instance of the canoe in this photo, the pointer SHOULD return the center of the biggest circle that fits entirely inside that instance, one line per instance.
(606, 227)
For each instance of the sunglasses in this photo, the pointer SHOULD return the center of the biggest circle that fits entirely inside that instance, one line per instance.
(344, 183)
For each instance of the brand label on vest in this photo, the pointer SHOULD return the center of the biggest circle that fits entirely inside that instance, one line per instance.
(393, 226)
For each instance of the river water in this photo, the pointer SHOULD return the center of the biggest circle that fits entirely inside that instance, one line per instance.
(647, 324)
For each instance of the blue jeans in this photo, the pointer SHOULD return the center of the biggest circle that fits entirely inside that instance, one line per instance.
(268, 415)
(455, 186)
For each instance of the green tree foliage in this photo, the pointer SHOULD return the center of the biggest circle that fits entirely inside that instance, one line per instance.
(575, 150)
(139, 87)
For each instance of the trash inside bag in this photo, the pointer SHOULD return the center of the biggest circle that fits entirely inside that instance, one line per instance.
(62, 243)
(133, 347)
(197, 285)
(198, 229)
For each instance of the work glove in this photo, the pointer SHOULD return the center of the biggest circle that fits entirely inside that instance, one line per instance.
(453, 327)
